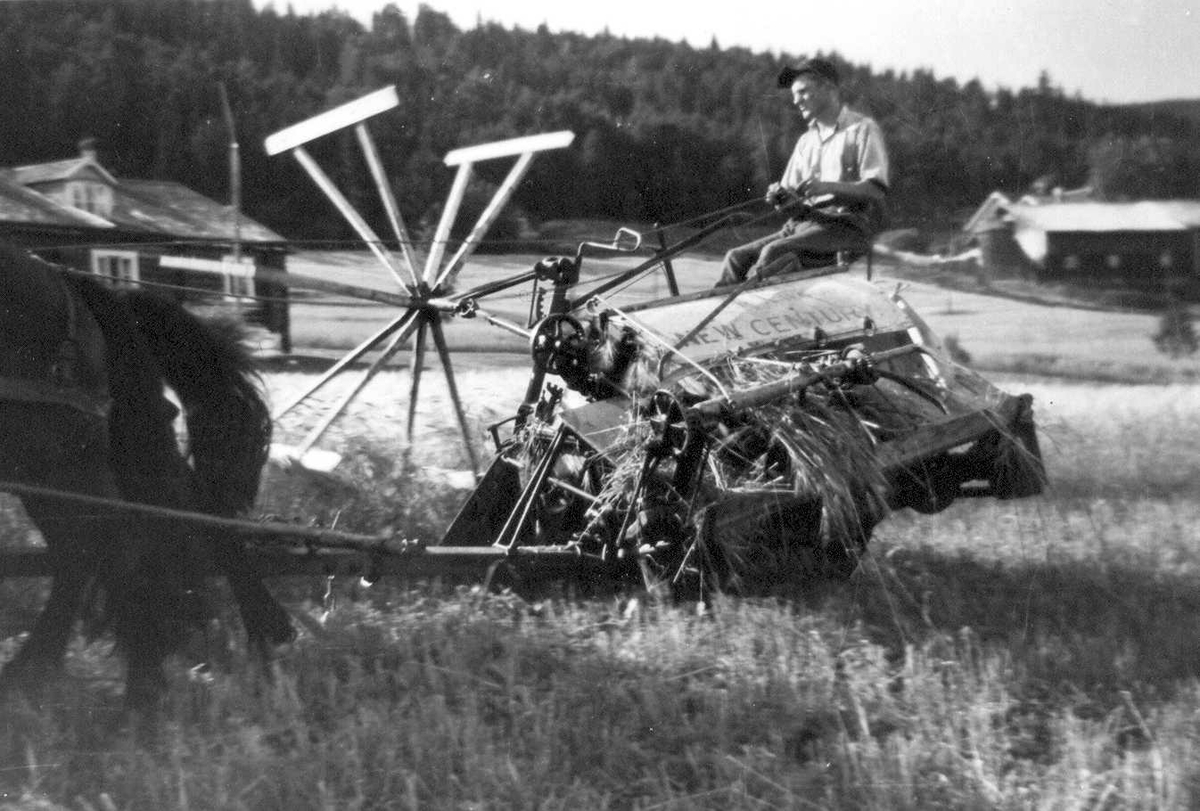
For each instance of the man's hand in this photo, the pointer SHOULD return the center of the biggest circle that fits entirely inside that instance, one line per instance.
(811, 187)
(776, 195)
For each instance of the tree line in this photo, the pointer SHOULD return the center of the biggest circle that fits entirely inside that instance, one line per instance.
(664, 131)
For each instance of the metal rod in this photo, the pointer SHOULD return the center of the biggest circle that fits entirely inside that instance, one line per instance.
(652, 262)
(440, 237)
(672, 285)
(334, 539)
(503, 324)
(351, 357)
(772, 281)
(769, 392)
(706, 320)
(573, 490)
(489, 215)
(497, 286)
(319, 430)
(416, 366)
(303, 282)
(517, 518)
(439, 341)
(470, 564)
(345, 208)
(388, 198)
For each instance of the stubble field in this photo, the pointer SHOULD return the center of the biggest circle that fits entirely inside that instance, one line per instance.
(1031, 654)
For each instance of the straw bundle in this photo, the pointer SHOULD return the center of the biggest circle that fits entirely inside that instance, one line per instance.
(798, 486)
(787, 484)
(789, 491)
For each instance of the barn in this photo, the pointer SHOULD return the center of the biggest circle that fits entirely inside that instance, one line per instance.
(1150, 244)
(155, 233)
(1069, 237)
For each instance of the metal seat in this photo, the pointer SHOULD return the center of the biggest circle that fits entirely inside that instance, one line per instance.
(848, 257)
(843, 258)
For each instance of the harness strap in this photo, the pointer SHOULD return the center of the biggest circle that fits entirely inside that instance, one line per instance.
(27, 390)
(61, 386)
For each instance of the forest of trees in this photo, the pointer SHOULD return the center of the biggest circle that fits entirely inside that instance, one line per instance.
(664, 131)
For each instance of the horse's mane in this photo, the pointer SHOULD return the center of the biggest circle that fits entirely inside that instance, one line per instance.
(229, 425)
(205, 363)
(143, 574)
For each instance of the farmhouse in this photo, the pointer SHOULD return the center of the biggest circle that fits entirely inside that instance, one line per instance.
(1149, 244)
(156, 233)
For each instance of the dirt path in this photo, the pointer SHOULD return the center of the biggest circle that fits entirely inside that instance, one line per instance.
(490, 392)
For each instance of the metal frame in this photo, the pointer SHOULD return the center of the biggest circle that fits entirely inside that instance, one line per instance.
(425, 297)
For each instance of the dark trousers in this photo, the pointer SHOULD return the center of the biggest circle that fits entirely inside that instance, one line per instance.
(787, 248)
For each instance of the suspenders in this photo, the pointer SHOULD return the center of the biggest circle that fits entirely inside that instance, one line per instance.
(850, 157)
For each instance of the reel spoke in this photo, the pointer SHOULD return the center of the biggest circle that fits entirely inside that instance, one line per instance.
(424, 290)
(402, 322)
(417, 365)
(388, 353)
(439, 341)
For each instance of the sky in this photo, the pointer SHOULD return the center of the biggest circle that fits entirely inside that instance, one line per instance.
(1108, 51)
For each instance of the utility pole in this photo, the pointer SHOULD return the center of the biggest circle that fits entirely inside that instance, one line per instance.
(235, 174)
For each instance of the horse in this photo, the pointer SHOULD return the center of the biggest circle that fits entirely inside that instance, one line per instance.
(83, 373)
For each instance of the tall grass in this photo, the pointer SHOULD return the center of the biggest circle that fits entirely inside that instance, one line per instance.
(1030, 654)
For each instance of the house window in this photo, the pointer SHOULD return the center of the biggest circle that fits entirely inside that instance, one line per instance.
(1113, 261)
(237, 278)
(94, 198)
(118, 268)
(1072, 263)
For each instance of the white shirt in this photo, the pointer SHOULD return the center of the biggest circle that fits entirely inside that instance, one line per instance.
(850, 151)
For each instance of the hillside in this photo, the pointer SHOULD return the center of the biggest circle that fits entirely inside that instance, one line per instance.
(664, 131)
(1184, 109)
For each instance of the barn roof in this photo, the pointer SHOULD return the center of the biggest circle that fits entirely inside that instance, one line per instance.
(989, 214)
(1146, 215)
(1083, 194)
(992, 213)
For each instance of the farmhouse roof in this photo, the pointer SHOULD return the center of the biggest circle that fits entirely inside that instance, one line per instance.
(172, 208)
(19, 204)
(35, 173)
(149, 207)
(1146, 215)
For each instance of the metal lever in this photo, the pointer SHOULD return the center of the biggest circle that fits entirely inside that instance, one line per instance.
(623, 234)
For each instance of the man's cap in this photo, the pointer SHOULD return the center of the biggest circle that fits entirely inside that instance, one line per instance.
(816, 66)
